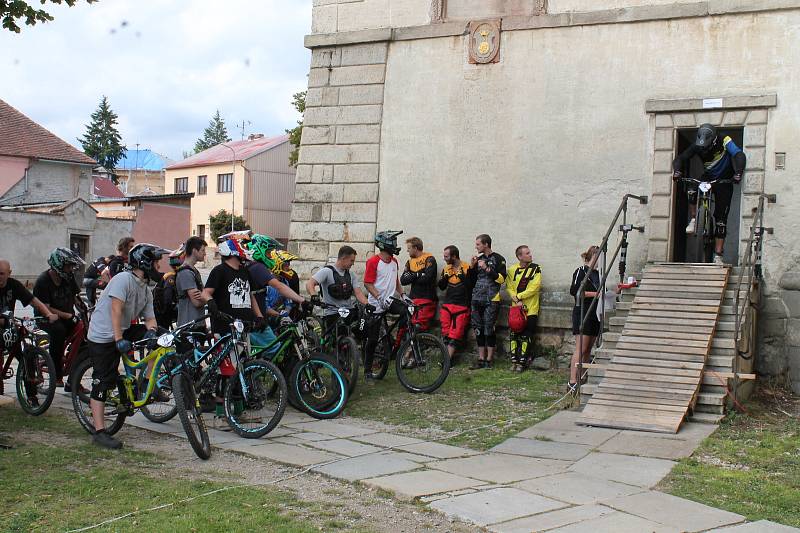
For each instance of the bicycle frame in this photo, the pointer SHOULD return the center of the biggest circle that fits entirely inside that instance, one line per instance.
(27, 335)
(156, 356)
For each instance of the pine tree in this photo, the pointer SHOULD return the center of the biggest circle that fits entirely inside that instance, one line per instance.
(299, 103)
(102, 141)
(214, 134)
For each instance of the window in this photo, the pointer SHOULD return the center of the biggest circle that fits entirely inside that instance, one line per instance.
(201, 231)
(224, 182)
(181, 185)
(202, 185)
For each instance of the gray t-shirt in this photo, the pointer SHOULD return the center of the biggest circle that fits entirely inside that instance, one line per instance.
(136, 297)
(187, 312)
(324, 276)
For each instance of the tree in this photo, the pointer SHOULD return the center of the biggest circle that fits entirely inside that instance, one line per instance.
(214, 134)
(299, 103)
(13, 10)
(221, 223)
(102, 141)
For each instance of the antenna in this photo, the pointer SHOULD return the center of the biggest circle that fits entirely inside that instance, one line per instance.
(243, 126)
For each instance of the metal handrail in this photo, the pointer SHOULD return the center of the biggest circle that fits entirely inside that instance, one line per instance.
(751, 265)
(625, 228)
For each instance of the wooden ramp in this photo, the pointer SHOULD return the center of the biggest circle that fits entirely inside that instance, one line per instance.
(656, 368)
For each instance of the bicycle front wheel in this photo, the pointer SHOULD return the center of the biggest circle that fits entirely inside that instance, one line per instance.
(189, 412)
(704, 236)
(160, 411)
(348, 357)
(81, 383)
(319, 386)
(36, 380)
(422, 363)
(255, 399)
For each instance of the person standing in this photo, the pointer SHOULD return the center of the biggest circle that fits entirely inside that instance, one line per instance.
(12, 291)
(119, 261)
(165, 293)
(92, 278)
(338, 284)
(523, 284)
(420, 273)
(584, 337)
(454, 313)
(487, 274)
(189, 283)
(57, 288)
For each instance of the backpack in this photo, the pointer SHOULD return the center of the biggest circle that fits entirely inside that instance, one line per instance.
(162, 308)
(197, 279)
(342, 286)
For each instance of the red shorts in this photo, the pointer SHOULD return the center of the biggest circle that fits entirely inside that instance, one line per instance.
(455, 320)
(426, 310)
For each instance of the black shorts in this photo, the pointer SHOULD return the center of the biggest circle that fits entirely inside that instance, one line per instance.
(105, 364)
(591, 327)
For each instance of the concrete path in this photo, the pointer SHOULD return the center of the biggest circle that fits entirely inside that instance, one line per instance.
(555, 476)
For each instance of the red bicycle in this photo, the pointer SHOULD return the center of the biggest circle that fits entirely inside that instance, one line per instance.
(75, 348)
(23, 341)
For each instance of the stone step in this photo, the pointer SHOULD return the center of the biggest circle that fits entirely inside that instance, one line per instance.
(720, 361)
(706, 418)
(709, 408)
(707, 398)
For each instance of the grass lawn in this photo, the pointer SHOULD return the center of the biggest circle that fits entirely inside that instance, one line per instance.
(68, 483)
(751, 465)
(467, 399)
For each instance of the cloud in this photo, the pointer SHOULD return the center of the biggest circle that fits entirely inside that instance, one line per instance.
(165, 65)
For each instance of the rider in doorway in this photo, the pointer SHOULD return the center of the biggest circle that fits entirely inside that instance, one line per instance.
(722, 160)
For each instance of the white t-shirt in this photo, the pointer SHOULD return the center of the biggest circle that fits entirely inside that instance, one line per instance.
(383, 275)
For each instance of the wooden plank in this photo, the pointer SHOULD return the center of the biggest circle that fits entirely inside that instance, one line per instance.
(643, 416)
(694, 350)
(662, 335)
(654, 371)
(641, 406)
(661, 356)
(677, 292)
(615, 424)
(671, 301)
(633, 327)
(730, 375)
(665, 341)
(699, 317)
(683, 282)
(668, 321)
(653, 378)
(684, 270)
(627, 380)
(646, 388)
(675, 308)
(642, 400)
(643, 361)
(676, 276)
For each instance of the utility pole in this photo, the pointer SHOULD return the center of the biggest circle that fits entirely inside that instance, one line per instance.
(243, 126)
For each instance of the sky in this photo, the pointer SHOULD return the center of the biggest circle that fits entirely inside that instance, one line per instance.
(165, 65)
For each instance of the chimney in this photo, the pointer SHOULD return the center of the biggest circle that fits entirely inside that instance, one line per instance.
(254, 136)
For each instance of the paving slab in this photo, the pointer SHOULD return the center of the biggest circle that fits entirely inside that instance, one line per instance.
(422, 459)
(683, 514)
(579, 489)
(577, 435)
(310, 436)
(369, 466)
(544, 449)
(412, 485)
(496, 505)
(439, 451)
(552, 519)
(762, 526)
(616, 523)
(219, 437)
(565, 420)
(647, 446)
(500, 467)
(293, 455)
(346, 447)
(639, 471)
(336, 428)
(387, 440)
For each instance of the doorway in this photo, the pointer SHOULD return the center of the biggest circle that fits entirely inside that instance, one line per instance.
(80, 245)
(681, 243)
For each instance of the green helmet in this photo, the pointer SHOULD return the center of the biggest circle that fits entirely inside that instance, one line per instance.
(386, 241)
(261, 246)
(60, 258)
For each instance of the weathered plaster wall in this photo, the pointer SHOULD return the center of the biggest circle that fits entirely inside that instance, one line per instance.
(50, 182)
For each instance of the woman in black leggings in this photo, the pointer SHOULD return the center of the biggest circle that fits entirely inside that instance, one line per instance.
(591, 326)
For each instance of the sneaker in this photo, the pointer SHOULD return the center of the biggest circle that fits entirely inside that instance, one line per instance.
(488, 365)
(691, 227)
(478, 364)
(101, 438)
(718, 260)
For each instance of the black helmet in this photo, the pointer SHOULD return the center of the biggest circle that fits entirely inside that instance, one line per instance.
(145, 256)
(61, 257)
(386, 241)
(706, 137)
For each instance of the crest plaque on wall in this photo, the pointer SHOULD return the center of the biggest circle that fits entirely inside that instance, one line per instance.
(484, 42)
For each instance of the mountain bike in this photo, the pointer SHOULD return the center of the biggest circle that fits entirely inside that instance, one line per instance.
(421, 359)
(23, 341)
(316, 384)
(129, 396)
(336, 336)
(703, 248)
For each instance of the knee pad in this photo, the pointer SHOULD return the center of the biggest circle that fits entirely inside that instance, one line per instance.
(99, 391)
(491, 340)
(691, 194)
(480, 338)
(525, 345)
(720, 230)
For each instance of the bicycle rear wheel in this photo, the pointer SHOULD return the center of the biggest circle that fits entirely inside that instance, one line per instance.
(422, 363)
(348, 357)
(319, 386)
(188, 409)
(157, 411)
(81, 381)
(254, 412)
(36, 380)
